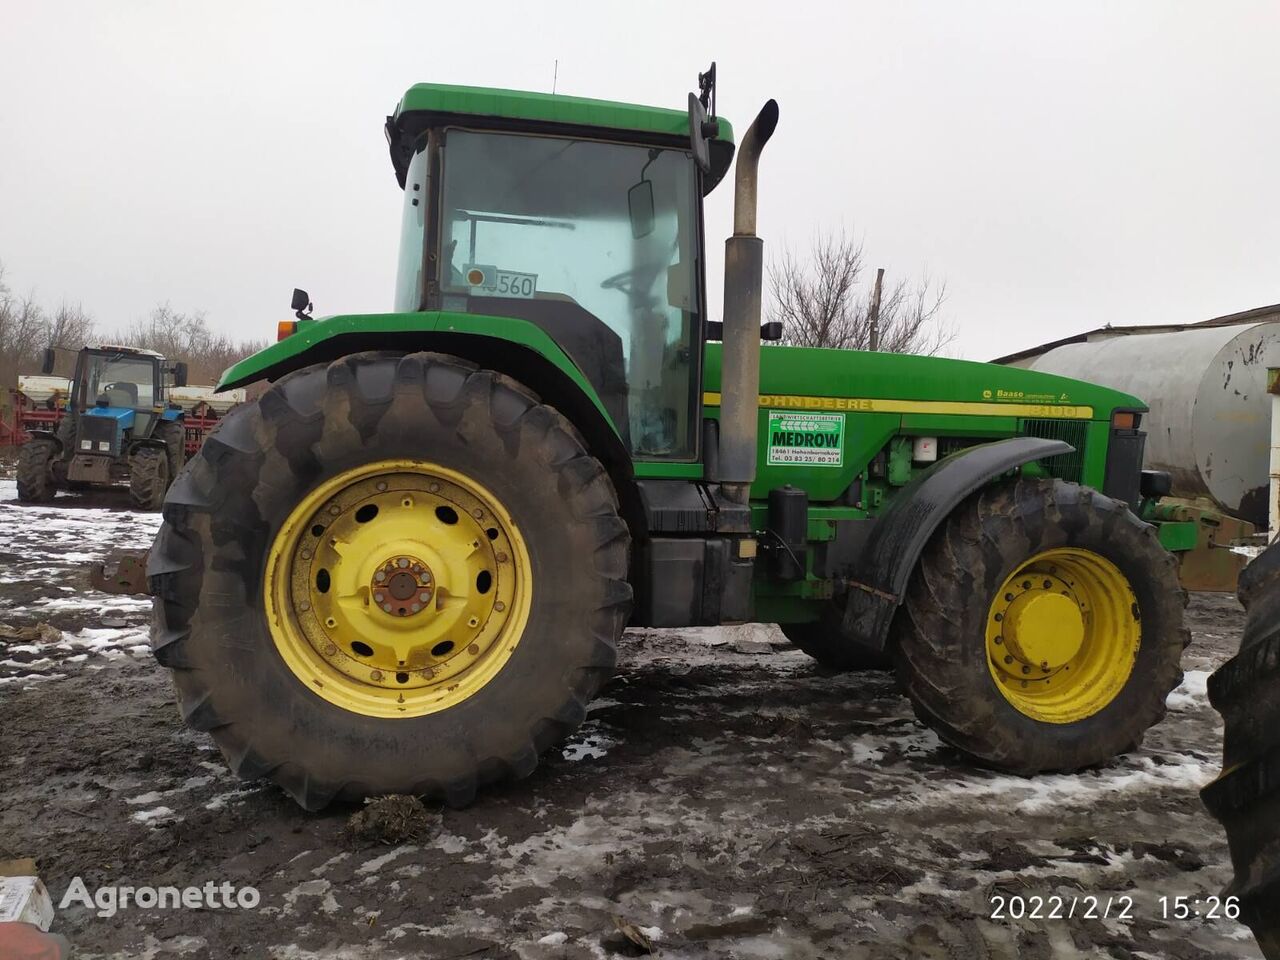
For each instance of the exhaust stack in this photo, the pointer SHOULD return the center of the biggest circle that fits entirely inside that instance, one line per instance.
(743, 284)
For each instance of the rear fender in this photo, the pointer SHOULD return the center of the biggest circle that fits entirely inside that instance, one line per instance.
(512, 346)
(877, 580)
(46, 435)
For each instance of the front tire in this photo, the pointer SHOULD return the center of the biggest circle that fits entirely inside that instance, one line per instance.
(1042, 629)
(35, 470)
(271, 614)
(822, 640)
(1246, 796)
(148, 478)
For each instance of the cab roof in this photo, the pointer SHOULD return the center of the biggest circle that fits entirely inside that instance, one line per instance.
(428, 102)
(136, 351)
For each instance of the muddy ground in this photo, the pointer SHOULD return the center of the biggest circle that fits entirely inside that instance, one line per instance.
(724, 804)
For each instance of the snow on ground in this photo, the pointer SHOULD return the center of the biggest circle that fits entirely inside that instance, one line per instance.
(724, 798)
(45, 553)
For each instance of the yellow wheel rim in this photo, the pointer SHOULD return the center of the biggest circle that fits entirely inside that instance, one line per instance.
(1063, 632)
(397, 589)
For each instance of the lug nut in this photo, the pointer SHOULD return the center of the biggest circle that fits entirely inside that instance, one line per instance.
(382, 486)
(386, 607)
(330, 649)
(375, 675)
(304, 606)
(402, 562)
(1008, 659)
(502, 558)
(424, 597)
(499, 606)
(380, 575)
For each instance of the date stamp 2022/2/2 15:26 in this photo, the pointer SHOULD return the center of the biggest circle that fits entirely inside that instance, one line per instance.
(1121, 907)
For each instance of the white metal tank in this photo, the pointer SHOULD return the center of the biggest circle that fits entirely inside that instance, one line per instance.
(44, 390)
(1209, 424)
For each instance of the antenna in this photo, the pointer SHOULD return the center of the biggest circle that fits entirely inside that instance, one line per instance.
(554, 77)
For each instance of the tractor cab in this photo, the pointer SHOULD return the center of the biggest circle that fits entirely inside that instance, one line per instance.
(118, 392)
(581, 217)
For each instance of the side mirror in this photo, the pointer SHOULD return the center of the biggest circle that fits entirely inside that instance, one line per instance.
(46, 365)
(179, 374)
(701, 129)
(300, 304)
(640, 207)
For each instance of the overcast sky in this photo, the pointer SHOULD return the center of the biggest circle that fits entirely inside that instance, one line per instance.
(1060, 165)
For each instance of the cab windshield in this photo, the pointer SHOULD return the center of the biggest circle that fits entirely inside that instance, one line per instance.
(597, 244)
(124, 380)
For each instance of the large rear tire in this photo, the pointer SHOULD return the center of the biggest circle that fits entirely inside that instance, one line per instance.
(35, 470)
(1042, 629)
(1246, 797)
(270, 554)
(174, 435)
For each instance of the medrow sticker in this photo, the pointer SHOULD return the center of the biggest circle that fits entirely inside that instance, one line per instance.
(810, 438)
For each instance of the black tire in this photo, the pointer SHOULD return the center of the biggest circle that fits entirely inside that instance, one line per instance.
(174, 435)
(1246, 797)
(35, 470)
(223, 513)
(821, 640)
(148, 478)
(940, 635)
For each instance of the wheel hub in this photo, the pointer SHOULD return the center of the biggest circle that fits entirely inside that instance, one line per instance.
(398, 588)
(1043, 625)
(403, 586)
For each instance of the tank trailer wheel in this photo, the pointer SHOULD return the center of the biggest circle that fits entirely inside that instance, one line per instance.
(1246, 796)
(1042, 629)
(393, 574)
(35, 470)
(148, 478)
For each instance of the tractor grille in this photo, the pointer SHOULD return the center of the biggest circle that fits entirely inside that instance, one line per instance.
(98, 430)
(1066, 466)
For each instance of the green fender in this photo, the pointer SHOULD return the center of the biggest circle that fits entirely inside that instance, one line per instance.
(327, 338)
(508, 345)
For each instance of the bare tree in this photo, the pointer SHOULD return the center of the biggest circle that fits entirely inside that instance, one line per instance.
(822, 302)
(187, 337)
(26, 328)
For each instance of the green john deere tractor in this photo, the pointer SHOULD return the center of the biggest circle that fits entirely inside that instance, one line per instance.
(406, 567)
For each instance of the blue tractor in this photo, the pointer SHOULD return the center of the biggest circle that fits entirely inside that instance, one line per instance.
(117, 426)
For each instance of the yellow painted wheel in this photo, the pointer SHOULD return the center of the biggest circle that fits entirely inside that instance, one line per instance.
(1062, 635)
(397, 589)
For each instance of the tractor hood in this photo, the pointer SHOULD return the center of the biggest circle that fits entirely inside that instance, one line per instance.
(856, 380)
(122, 415)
